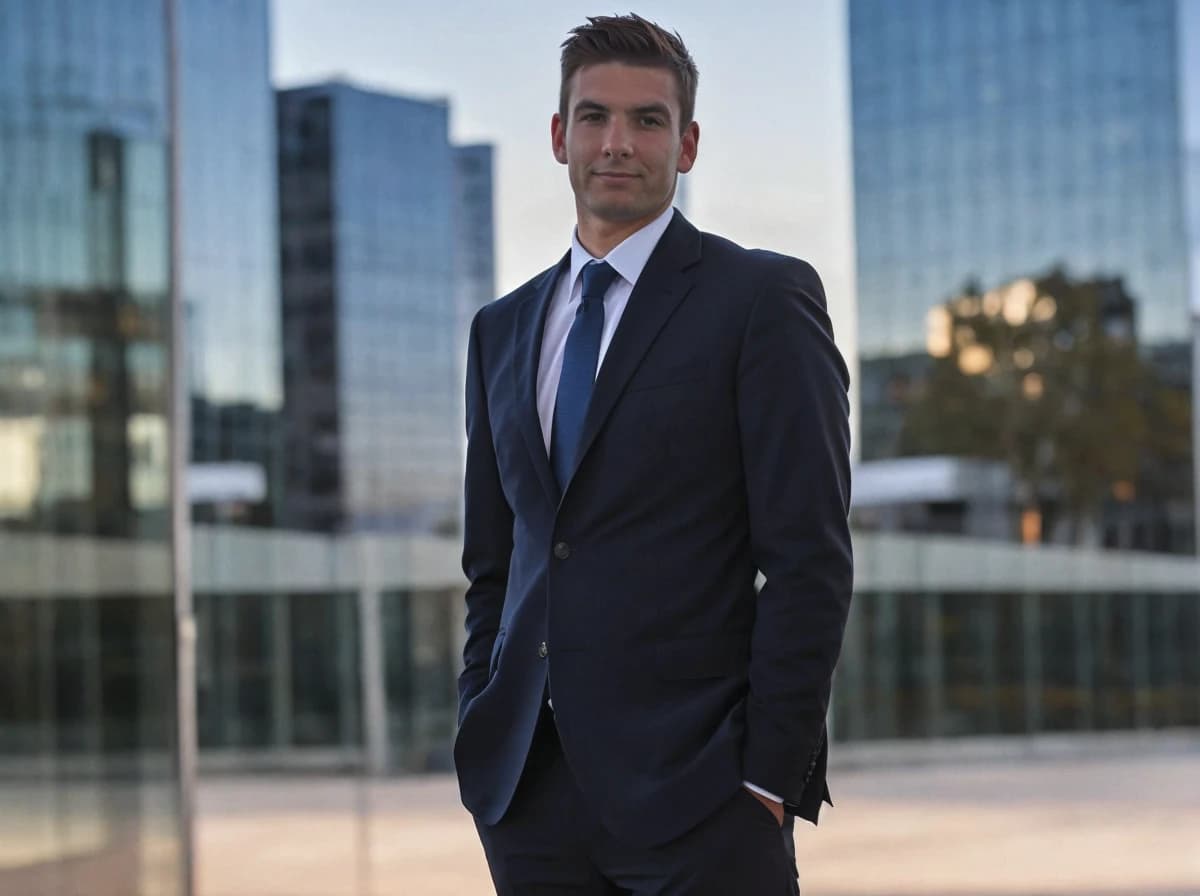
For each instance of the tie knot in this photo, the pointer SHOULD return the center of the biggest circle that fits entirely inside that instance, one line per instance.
(597, 278)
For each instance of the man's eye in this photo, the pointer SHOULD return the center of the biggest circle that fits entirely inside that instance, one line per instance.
(652, 122)
(590, 116)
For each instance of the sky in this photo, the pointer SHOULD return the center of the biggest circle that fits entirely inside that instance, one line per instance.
(774, 167)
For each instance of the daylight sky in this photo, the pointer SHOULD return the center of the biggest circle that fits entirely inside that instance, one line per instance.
(774, 163)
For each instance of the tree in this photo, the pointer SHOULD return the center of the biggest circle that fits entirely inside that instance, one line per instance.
(1045, 375)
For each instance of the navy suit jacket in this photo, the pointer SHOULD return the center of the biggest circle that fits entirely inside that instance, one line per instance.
(716, 445)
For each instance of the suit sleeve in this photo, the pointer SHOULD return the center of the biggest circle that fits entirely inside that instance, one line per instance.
(487, 533)
(793, 412)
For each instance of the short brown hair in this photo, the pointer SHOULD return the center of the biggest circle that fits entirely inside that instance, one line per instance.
(630, 40)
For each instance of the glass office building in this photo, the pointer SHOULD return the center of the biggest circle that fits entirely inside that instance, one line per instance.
(230, 258)
(369, 191)
(1189, 37)
(475, 229)
(88, 774)
(1000, 146)
(992, 662)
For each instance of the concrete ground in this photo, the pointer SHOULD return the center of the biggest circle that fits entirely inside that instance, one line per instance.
(1051, 826)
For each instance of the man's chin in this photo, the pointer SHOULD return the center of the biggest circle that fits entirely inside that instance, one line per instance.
(622, 213)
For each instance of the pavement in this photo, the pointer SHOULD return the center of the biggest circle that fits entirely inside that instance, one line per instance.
(1126, 825)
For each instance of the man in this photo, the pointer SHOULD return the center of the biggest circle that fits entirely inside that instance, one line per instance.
(651, 422)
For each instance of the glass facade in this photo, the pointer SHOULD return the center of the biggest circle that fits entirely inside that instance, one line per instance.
(88, 776)
(933, 665)
(475, 236)
(282, 675)
(230, 252)
(277, 673)
(422, 635)
(1189, 59)
(370, 219)
(1006, 142)
(948, 637)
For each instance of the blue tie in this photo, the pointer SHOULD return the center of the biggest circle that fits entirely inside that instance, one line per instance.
(580, 358)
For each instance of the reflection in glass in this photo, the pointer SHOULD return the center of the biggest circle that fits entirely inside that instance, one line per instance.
(994, 143)
(87, 657)
(951, 665)
(1044, 377)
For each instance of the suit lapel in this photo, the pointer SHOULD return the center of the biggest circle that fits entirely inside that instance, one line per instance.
(531, 323)
(663, 284)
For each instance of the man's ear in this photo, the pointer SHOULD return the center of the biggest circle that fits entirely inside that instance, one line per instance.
(558, 138)
(689, 145)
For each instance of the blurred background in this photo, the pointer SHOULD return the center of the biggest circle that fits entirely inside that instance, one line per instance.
(240, 243)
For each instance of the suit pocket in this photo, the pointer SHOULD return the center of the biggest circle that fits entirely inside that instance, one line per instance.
(495, 660)
(714, 655)
(758, 810)
(672, 375)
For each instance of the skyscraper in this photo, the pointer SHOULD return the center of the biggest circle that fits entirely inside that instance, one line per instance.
(230, 252)
(475, 236)
(999, 144)
(386, 231)
(1189, 57)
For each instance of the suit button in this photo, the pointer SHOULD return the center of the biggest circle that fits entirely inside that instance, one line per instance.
(562, 550)
(543, 650)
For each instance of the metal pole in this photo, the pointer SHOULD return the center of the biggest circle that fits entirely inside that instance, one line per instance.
(373, 688)
(180, 440)
(372, 661)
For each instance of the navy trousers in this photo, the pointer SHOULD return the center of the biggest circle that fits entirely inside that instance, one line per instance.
(548, 844)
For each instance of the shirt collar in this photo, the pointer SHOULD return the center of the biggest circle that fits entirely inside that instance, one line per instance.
(629, 257)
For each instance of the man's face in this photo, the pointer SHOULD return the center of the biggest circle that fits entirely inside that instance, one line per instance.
(621, 141)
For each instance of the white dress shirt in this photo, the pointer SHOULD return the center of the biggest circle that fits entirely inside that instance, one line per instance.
(628, 259)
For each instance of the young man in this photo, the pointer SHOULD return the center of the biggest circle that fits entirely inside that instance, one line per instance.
(651, 422)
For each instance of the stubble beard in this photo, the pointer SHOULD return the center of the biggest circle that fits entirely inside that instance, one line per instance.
(623, 211)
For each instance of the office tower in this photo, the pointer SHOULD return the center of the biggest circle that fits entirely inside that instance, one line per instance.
(475, 236)
(229, 256)
(371, 207)
(1008, 143)
(1189, 57)
(88, 777)
(474, 252)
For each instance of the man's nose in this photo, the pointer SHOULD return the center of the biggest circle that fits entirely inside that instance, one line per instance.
(617, 141)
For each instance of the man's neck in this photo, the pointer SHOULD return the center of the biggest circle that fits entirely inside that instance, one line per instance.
(601, 237)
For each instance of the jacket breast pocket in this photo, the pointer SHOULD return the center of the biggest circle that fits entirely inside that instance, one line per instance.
(669, 375)
(713, 655)
(669, 401)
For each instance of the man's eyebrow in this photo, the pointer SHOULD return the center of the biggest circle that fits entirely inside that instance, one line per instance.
(590, 106)
(647, 109)
(653, 109)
